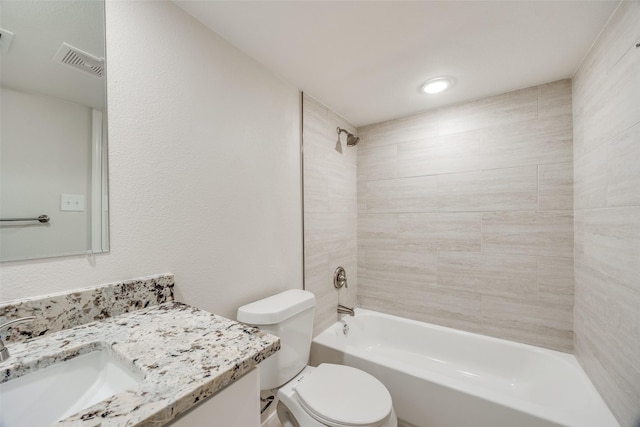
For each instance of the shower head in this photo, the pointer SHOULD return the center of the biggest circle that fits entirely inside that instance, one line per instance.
(352, 140)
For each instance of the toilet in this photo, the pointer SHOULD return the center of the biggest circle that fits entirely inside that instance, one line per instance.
(327, 395)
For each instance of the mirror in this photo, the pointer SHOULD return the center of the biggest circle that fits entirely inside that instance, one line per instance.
(53, 129)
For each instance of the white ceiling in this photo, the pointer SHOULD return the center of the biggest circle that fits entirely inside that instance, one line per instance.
(366, 59)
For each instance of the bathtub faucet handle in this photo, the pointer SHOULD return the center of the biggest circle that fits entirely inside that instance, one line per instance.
(340, 278)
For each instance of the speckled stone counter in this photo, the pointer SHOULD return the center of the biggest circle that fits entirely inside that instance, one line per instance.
(184, 353)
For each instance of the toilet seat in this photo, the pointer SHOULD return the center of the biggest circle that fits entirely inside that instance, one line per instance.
(342, 396)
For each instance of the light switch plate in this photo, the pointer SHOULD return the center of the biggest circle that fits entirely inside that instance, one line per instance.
(72, 202)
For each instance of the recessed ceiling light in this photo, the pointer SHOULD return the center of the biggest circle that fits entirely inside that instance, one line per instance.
(436, 85)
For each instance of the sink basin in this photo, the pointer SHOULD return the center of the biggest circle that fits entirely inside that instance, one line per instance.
(48, 395)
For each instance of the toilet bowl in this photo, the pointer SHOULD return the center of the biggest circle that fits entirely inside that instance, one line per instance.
(329, 395)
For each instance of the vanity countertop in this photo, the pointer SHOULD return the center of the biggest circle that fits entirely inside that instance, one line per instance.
(185, 354)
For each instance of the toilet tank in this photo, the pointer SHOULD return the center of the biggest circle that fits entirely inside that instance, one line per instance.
(288, 315)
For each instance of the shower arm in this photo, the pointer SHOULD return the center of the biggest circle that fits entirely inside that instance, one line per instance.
(341, 131)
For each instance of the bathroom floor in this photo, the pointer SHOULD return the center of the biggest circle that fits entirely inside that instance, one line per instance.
(272, 422)
(269, 418)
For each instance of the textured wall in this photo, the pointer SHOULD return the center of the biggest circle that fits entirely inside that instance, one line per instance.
(606, 112)
(465, 216)
(204, 168)
(330, 210)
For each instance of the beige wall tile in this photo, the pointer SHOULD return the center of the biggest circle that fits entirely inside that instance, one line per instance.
(605, 119)
(461, 192)
(528, 321)
(437, 155)
(397, 298)
(362, 270)
(318, 281)
(578, 235)
(377, 162)
(410, 128)
(606, 90)
(623, 168)
(530, 142)
(623, 322)
(453, 309)
(590, 179)
(556, 281)
(498, 189)
(623, 32)
(379, 196)
(330, 210)
(459, 231)
(602, 366)
(578, 131)
(444, 307)
(406, 264)
(325, 232)
(417, 194)
(342, 189)
(590, 76)
(591, 293)
(519, 105)
(378, 230)
(488, 274)
(610, 371)
(612, 242)
(316, 184)
(362, 196)
(624, 380)
(528, 233)
(554, 99)
(555, 186)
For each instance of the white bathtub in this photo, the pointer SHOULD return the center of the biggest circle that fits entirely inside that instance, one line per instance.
(442, 377)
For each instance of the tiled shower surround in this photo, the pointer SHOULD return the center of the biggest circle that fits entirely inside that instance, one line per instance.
(465, 216)
(606, 117)
(330, 211)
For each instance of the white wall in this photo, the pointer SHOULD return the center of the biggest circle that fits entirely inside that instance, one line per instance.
(204, 167)
(45, 153)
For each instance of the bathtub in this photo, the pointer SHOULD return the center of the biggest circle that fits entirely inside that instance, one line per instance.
(442, 377)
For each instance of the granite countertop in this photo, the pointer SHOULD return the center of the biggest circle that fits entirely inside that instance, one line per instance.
(184, 353)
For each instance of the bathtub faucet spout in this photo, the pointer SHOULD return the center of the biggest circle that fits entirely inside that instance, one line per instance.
(343, 309)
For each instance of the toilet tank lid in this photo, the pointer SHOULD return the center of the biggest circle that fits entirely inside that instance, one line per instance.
(276, 308)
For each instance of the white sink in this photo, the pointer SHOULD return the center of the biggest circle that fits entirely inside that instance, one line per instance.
(48, 395)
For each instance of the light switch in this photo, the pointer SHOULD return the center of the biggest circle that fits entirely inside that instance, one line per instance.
(72, 202)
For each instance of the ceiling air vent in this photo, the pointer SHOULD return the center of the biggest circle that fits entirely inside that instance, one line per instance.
(80, 60)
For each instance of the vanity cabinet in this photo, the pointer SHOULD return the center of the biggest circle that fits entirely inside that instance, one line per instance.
(237, 405)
